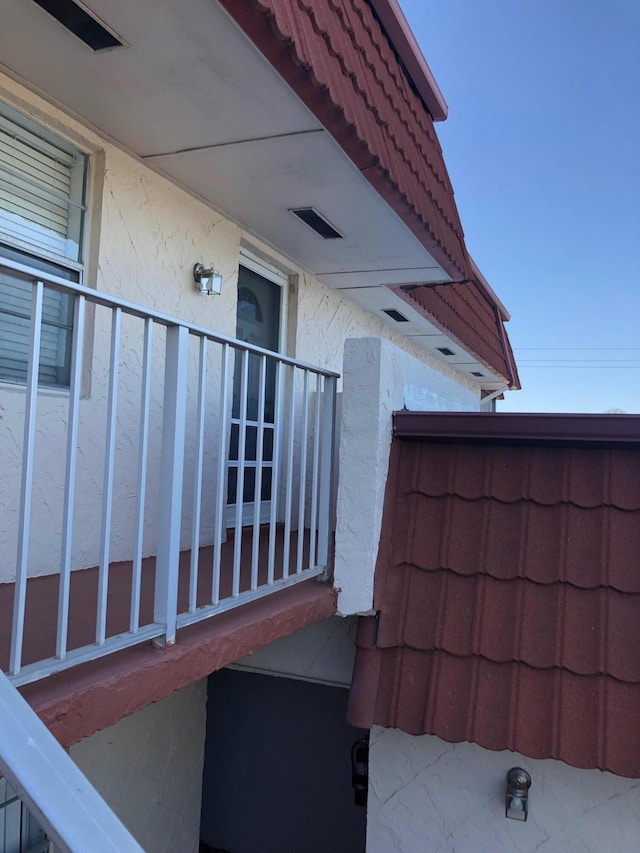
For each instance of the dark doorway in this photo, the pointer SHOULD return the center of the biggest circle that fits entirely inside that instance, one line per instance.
(277, 770)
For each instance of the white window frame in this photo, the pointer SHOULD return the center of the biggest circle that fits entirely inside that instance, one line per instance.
(27, 250)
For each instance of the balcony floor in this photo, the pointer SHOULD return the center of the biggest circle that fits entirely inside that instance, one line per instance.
(90, 696)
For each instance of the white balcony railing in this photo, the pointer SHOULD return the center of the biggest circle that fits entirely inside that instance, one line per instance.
(194, 474)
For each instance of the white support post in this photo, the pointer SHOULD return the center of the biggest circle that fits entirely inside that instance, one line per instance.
(171, 476)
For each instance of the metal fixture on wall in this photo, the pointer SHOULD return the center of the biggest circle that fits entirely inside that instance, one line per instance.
(517, 798)
(360, 770)
(208, 280)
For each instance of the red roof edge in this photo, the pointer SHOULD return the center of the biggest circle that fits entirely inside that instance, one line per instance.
(577, 430)
(477, 325)
(403, 40)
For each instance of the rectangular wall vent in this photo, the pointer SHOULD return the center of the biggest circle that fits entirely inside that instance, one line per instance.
(445, 350)
(78, 21)
(316, 222)
(395, 315)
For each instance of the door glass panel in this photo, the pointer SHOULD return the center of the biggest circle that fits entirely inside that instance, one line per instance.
(258, 323)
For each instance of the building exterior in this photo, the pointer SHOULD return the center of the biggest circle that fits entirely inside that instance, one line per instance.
(183, 461)
(506, 601)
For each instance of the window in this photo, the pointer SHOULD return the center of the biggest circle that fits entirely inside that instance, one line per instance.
(19, 831)
(43, 182)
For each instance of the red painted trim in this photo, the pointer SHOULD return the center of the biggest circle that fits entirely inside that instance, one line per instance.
(90, 697)
(487, 427)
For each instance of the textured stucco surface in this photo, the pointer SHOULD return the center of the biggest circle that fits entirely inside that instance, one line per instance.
(148, 768)
(145, 236)
(427, 794)
(378, 379)
(322, 652)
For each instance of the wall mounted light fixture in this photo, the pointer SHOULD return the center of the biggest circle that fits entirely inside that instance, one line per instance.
(517, 798)
(208, 280)
(360, 770)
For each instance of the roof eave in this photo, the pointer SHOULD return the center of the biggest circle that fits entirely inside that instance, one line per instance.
(392, 18)
(577, 430)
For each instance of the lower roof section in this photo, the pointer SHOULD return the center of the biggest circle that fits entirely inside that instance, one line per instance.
(78, 702)
(508, 587)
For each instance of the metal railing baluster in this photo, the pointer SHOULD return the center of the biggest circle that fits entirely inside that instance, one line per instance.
(28, 451)
(302, 496)
(70, 476)
(221, 483)
(242, 451)
(143, 451)
(257, 490)
(313, 521)
(197, 482)
(288, 492)
(275, 468)
(107, 489)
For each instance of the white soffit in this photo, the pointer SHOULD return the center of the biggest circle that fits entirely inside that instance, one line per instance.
(422, 333)
(260, 180)
(187, 78)
(192, 96)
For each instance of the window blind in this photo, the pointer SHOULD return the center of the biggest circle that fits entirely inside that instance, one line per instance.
(41, 213)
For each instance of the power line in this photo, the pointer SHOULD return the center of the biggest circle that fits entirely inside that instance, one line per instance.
(575, 349)
(581, 366)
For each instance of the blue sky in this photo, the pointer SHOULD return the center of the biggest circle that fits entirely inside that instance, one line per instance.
(542, 144)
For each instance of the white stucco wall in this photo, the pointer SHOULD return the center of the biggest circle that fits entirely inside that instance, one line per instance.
(148, 768)
(378, 379)
(144, 237)
(429, 795)
(322, 653)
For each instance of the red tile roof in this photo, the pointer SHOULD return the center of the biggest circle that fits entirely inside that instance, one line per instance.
(335, 56)
(339, 61)
(508, 590)
(466, 313)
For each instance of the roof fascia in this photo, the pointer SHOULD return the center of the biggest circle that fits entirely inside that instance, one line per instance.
(577, 430)
(403, 40)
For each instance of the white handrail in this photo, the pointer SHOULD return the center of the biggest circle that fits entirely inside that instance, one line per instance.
(65, 803)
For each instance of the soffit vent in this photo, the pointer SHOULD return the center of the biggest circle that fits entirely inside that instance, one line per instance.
(476, 373)
(445, 350)
(316, 222)
(395, 315)
(75, 18)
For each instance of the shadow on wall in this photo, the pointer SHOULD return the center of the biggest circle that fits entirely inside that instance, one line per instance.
(277, 769)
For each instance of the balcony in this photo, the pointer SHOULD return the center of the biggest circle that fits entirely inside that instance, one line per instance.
(181, 474)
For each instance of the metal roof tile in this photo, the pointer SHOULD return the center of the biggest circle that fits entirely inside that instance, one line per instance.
(508, 590)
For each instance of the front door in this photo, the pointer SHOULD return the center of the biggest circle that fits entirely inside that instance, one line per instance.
(258, 322)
